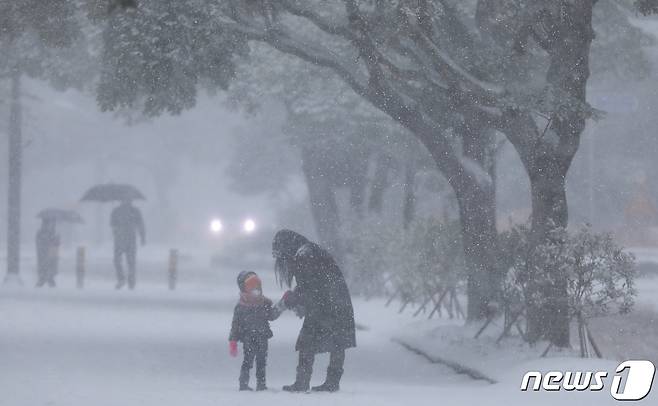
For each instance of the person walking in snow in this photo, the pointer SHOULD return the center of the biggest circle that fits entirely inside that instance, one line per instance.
(251, 326)
(126, 221)
(47, 244)
(321, 297)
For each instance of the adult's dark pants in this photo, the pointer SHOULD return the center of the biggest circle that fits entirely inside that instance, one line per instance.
(47, 269)
(254, 348)
(130, 252)
(334, 370)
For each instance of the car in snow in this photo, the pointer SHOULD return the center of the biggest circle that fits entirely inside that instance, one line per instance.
(241, 243)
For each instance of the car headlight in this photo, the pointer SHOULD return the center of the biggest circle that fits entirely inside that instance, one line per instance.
(249, 226)
(216, 226)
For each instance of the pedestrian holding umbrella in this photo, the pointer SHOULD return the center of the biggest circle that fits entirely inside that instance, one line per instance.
(48, 242)
(112, 192)
(127, 223)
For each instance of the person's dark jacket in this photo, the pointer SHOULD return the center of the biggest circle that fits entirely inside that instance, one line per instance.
(126, 221)
(253, 320)
(323, 298)
(47, 244)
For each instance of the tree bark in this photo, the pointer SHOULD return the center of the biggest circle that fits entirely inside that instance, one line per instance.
(568, 72)
(548, 319)
(547, 154)
(547, 165)
(476, 201)
(15, 180)
(477, 206)
(479, 237)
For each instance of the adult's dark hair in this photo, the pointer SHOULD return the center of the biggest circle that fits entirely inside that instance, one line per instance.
(285, 245)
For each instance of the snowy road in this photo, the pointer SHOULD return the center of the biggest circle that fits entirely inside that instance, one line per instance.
(100, 347)
(154, 347)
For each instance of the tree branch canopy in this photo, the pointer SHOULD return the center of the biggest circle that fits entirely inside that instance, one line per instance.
(430, 65)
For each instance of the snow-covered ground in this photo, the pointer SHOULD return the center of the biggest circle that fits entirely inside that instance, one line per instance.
(155, 347)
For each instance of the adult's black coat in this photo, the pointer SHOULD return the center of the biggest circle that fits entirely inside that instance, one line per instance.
(127, 222)
(321, 295)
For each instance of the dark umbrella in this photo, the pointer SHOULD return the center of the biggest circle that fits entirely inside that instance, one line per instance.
(111, 192)
(67, 216)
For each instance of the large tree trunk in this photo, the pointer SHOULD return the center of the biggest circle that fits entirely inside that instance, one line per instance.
(479, 237)
(476, 200)
(549, 318)
(547, 154)
(477, 207)
(14, 181)
(569, 73)
(547, 166)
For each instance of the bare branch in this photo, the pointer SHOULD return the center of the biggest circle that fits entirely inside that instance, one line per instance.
(424, 61)
(397, 98)
(446, 62)
(318, 55)
(295, 8)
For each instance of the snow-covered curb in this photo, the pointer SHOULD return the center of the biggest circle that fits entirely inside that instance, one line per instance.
(456, 366)
(452, 343)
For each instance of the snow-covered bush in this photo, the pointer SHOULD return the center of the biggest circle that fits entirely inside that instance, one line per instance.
(512, 260)
(597, 274)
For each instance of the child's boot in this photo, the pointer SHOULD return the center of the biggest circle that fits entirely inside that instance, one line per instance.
(244, 380)
(260, 378)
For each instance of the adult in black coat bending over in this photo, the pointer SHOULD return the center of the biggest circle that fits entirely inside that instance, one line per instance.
(321, 297)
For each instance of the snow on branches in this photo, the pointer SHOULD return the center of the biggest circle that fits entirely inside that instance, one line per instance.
(597, 273)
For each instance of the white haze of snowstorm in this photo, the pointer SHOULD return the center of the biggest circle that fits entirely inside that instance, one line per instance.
(152, 346)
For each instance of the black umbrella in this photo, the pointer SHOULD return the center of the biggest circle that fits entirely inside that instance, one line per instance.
(67, 216)
(111, 192)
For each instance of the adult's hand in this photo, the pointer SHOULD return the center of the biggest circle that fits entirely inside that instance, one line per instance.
(286, 299)
(233, 348)
(292, 299)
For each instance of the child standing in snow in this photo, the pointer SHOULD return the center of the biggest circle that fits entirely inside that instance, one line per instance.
(251, 325)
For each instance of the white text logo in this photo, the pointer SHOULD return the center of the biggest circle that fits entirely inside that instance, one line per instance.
(632, 380)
